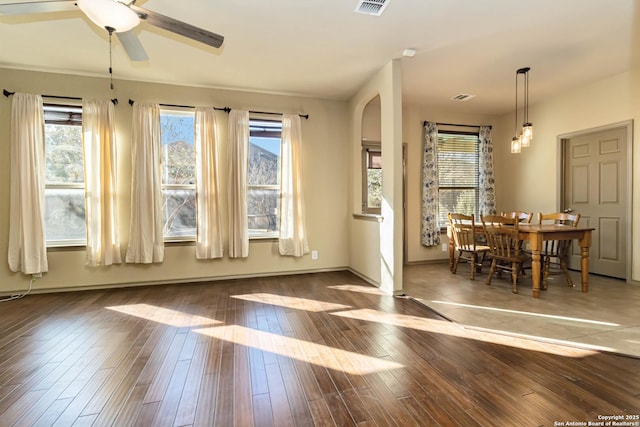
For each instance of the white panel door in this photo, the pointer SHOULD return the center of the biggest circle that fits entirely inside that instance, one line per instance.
(595, 186)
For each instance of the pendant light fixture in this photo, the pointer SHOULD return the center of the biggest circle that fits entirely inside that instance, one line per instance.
(527, 127)
(516, 144)
(524, 139)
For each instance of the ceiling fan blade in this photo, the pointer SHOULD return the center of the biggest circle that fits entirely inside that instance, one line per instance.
(43, 6)
(178, 27)
(132, 46)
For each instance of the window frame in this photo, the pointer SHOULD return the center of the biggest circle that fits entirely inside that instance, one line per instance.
(255, 130)
(441, 221)
(176, 111)
(367, 148)
(61, 114)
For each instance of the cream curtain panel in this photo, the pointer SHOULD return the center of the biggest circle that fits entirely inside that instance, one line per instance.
(209, 228)
(237, 188)
(146, 244)
(27, 247)
(99, 145)
(293, 234)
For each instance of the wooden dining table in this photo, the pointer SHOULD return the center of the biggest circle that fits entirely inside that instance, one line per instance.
(535, 234)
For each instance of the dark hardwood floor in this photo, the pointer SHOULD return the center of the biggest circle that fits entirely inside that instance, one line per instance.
(315, 349)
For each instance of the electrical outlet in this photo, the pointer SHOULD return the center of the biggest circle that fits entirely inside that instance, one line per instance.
(314, 255)
(444, 247)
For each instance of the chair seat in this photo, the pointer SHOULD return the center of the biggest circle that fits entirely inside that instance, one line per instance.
(478, 248)
(463, 229)
(505, 247)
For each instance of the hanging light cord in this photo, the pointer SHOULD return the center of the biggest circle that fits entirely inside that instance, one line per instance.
(110, 30)
(526, 99)
(516, 117)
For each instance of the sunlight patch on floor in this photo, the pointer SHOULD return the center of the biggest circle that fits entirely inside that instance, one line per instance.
(357, 288)
(457, 330)
(292, 302)
(304, 351)
(528, 313)
(165, 316)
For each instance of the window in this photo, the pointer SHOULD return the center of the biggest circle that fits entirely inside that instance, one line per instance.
(263, 193)
(371, 178)
(178, 175)
(458, 157)
(64, 208)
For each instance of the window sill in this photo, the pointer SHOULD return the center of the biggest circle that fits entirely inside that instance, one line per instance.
(190, 242)
(263, 237)
(66, 247)
(368, 217)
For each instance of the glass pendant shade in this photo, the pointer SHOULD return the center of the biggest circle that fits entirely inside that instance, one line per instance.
(524, 140)
(516, 145)
(109, 13)
(527, 134)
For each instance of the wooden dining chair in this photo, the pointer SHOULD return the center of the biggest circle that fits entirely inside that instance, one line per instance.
(555, 253)
(504, 246)
(465, 238)
(523, 217)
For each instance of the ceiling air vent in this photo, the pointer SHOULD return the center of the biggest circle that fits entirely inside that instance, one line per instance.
(371, 7)
(462, 97)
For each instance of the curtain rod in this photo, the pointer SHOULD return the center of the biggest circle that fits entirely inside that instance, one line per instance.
(456, 124)
(225, 109)
(7, 94)
(304, 116)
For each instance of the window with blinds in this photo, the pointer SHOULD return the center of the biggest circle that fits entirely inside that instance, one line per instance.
(64, 190)
(457, 173)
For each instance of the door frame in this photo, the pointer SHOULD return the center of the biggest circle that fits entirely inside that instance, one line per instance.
(561, 152)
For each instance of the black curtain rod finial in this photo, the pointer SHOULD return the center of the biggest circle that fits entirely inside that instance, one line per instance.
(7, 93)
(131, 102)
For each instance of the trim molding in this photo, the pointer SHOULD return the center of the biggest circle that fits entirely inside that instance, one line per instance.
(177, 281)
(368, 217)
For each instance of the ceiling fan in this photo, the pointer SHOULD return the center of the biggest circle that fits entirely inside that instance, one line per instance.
(117, 16)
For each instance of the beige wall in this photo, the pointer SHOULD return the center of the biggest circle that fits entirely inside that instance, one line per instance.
(531, 181)
(413, 134)
(376, 247)
(325, 170)
(371, 121)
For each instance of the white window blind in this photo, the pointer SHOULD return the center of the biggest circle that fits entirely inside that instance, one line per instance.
(458, 174)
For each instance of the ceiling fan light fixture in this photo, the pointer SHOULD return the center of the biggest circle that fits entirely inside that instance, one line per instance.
(110, 13)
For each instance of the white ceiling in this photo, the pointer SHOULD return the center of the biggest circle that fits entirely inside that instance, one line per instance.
(324, 49)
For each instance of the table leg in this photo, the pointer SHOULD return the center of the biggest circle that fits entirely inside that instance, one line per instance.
(535, 244)
(452, 250)
(585, 243)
